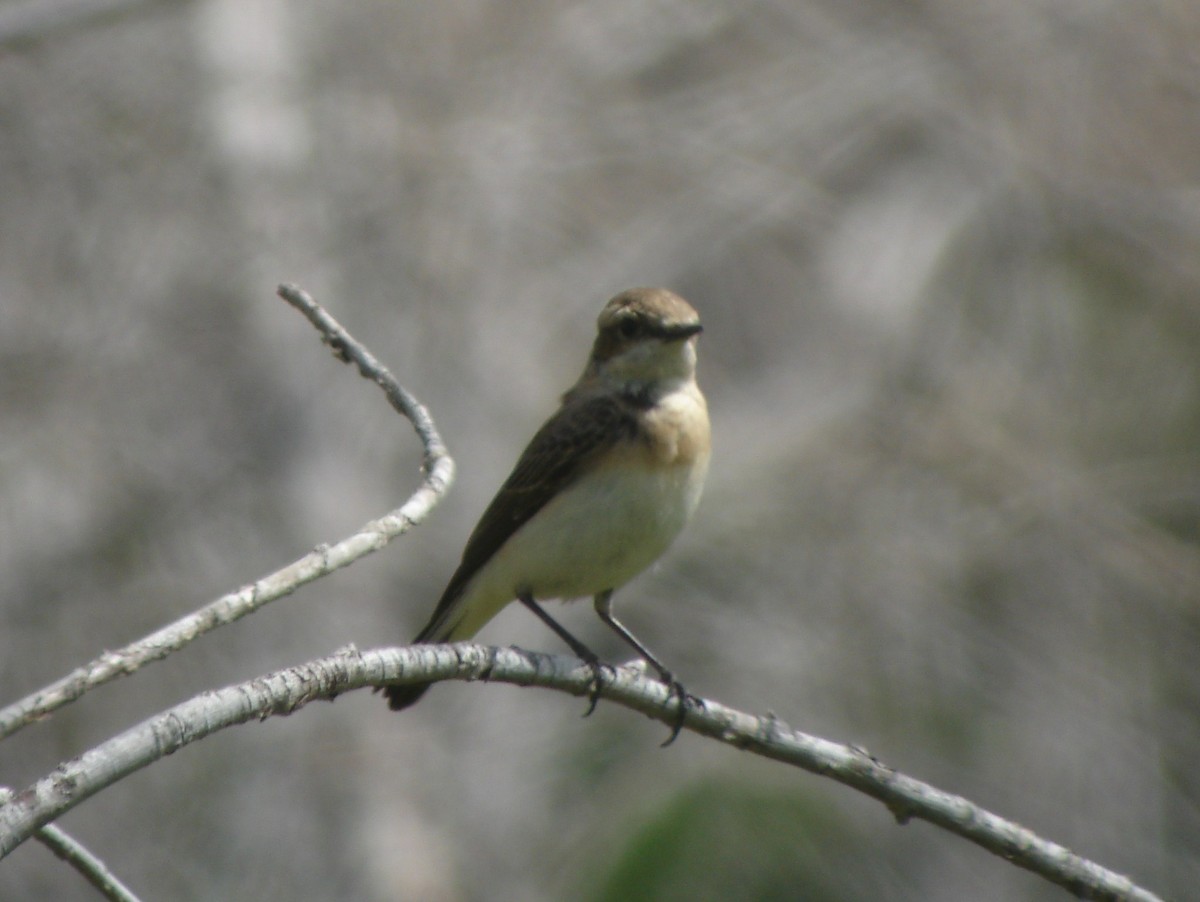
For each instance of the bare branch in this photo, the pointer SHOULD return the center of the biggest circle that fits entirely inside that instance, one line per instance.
(285, 691)
(70, 850)
(88, 865)
(347, 350)
(438, 470)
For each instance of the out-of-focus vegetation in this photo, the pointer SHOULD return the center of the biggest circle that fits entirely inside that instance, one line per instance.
(948, 259)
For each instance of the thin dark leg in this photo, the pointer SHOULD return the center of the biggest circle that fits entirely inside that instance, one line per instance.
(603, 603)
(574, 644)
(604, 609)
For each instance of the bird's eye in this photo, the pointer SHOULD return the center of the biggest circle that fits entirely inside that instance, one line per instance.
(629, 327)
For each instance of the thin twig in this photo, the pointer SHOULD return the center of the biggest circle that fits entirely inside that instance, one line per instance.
(348, 350)
(88, 865)
(285, 691)
(73, 852)
(438, 474)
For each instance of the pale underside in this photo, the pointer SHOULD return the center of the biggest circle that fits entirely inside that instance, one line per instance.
(606, 526)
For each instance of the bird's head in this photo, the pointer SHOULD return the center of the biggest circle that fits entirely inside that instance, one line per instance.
(646, 337)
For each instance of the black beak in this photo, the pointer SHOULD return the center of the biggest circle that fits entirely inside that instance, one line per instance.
(680, 332)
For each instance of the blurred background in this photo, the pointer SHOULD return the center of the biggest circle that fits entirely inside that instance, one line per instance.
(947, 255)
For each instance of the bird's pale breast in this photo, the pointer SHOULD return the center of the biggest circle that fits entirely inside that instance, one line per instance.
(612, 522)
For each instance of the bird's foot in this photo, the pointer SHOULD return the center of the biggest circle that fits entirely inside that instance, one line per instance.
(675, 689)
(599, 674)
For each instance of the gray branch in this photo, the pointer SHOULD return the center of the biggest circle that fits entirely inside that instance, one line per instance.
(438, 474)
(74, 853)
(92, 869)
(286, 691)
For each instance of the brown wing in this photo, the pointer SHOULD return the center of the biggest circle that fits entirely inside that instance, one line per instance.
(580, 431)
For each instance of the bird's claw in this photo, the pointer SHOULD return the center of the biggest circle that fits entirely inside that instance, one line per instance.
(686, 699)
(598, 676)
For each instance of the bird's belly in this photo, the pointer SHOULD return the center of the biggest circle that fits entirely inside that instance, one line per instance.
(598, 534)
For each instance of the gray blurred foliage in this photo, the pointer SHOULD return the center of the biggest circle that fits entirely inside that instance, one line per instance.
(948, 259)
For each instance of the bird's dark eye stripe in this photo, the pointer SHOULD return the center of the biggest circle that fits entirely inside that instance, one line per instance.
(630, 326)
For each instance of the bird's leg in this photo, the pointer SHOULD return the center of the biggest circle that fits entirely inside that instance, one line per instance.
(603, 603)
(581, 650)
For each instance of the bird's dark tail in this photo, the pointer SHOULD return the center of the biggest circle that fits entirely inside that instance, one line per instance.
(439, 629)
(401, 697)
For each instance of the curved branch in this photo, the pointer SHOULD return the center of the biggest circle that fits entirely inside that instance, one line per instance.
(348, 350)
(285, 691)
(438, 474)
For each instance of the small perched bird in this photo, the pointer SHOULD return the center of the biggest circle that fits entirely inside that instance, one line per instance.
(601, 491)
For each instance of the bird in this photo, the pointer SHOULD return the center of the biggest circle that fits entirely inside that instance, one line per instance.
(601, 491)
